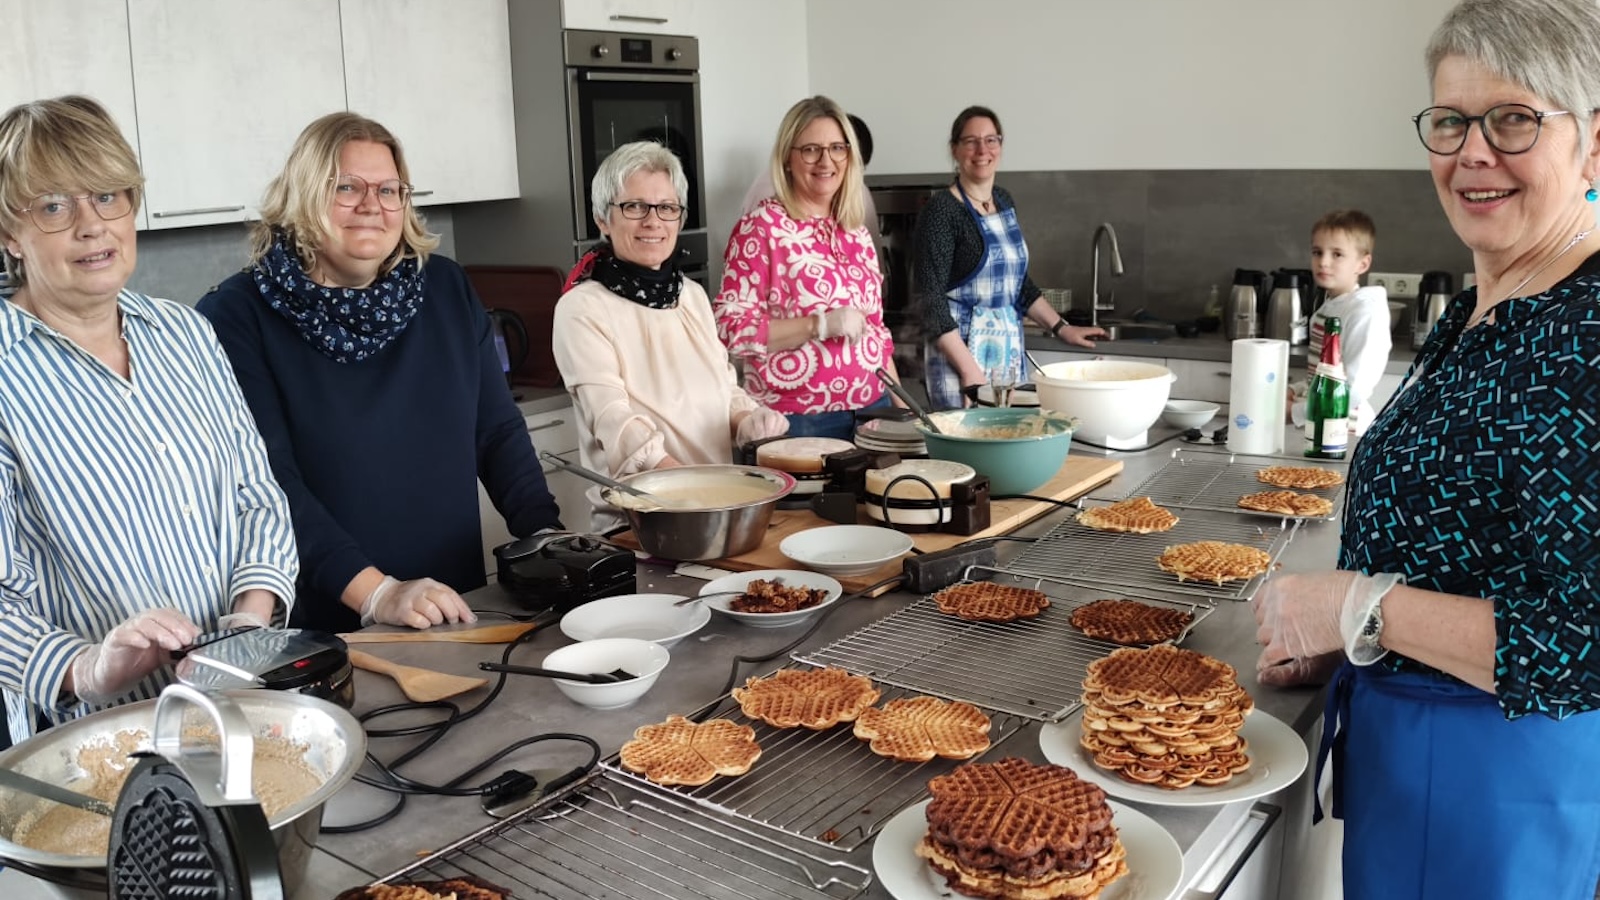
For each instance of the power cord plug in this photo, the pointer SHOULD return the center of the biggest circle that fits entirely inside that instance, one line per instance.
(929, 572)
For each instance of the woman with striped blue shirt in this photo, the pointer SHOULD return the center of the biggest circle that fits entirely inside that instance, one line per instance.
(137, 507)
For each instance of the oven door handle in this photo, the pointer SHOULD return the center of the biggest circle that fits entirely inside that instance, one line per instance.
(638, 76)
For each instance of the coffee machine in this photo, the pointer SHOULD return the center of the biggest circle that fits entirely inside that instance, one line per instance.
(1239, 319)
(1436, 290)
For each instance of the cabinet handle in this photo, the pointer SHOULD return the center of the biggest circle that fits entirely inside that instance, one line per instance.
(1224, 374)
(554, 423)
(1263, 816)
(202, 211)
(427, 193)
(651, 20)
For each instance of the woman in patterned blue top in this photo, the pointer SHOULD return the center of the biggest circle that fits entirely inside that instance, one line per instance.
(137, 507)
(1467, 603)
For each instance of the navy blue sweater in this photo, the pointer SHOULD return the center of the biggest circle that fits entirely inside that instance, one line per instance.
(381, 458)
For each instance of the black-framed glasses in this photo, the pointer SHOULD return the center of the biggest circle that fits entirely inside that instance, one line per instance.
(350, 190)
(58, 212)
(838, 152)
(638, 209)
(991, 141)
(1509, 127)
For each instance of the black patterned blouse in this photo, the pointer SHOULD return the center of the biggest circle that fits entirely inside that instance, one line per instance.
(1482, 477)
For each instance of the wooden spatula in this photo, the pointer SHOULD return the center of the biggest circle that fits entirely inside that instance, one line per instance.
(485, 634)
(421, 685)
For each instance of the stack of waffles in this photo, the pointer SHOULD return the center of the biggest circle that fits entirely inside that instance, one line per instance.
(1012, 829)
(1166, 717)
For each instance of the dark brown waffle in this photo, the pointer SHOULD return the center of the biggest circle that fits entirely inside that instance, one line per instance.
(985, 601)
(1130, 622)
(1005, 814)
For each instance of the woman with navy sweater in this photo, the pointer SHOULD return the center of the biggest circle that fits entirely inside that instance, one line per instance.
(370, 367)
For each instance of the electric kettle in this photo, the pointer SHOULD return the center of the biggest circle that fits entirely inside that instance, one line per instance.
(1285, 318)
(510, 339)
(1437, 288)
(1239, 317)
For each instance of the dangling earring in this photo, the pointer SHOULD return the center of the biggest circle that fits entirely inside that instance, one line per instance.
(1591, 195)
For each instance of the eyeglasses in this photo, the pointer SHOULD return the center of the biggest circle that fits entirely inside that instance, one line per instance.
(58, 212)
(350, 190)
(1509, 128)
(638, 209)
(991, 141)
(812, 152)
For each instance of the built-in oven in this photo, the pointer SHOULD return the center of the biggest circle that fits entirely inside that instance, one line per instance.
(635, 87)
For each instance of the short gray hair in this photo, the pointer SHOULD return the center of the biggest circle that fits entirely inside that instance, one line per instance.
(1549, 47)
(623, 163)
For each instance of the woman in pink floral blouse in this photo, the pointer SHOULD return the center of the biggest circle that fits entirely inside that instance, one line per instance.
(801, 303)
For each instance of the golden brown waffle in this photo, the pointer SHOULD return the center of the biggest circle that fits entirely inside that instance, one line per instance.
(1213, 561)
(973, 882)
(807, 698)
(1139, 515)
(1306, 478)
(917, 729)
(679, 751)
(985, 601)
(1288, 503)
(462, 888)
(1130, 622)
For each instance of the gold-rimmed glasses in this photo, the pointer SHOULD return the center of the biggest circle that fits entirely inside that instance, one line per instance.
(350, 190)
(838, 151)
(57, 212)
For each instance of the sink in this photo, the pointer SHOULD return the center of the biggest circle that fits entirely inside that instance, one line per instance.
(1137, 331)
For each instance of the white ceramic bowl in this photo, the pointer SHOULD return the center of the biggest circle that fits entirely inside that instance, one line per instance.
(1109, 398)
(791, 577)
(842, 550)
(1189, 413)
(645, 659)
(649, 617)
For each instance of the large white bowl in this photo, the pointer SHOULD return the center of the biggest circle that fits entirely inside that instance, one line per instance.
(649, 617)
(843, 550)
(791, 577)
(1111, 399)
(644, 659)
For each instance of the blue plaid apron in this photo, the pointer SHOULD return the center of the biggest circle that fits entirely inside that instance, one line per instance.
(984, 305)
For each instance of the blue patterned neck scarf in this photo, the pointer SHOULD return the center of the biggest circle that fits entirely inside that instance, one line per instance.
(344, 324)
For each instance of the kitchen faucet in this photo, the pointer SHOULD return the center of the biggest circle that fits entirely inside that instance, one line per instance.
(1094, 279)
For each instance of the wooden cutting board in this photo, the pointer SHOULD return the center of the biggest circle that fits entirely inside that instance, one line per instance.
(1078, 475)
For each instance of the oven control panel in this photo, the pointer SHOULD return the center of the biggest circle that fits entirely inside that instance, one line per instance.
(620, 50)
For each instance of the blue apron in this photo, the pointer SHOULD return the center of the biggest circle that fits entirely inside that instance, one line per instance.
(1444, 799)
(984, 305)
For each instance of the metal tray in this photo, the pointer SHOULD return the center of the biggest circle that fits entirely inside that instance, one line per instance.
(1208, 479)
(1115, 561)
(605, 839)
(823, 787)
(1032, 667)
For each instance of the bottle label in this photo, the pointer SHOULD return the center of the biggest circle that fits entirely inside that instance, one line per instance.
(1335, 436)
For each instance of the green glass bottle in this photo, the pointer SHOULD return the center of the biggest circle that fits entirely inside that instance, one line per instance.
(1328, 400)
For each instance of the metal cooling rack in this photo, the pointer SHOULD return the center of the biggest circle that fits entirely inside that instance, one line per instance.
(824, 787)
(1117, 561)
(1202, 479)
(607, 839)
(1031, 667)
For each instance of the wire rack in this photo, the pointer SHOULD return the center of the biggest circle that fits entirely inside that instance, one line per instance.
(1202, 479)
(1031, 668)
(608, 839)
(1111, 560)
(824, 787)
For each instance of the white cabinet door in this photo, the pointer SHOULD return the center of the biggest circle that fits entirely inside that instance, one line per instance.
(50, 49)
(437, 75)
(1200, 379)
(653, 16)
(223, 87)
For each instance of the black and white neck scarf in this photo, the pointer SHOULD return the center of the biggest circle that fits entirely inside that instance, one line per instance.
(654, 288)
(344, 324)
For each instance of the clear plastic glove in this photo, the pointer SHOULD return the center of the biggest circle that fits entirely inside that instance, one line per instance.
(1302, 618)
(760, 423)
(846, 322)
(131, 651)
(241, 620)
(414, 604)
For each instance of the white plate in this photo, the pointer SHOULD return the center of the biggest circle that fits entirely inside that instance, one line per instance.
(650, 617)
(1155, 864)
(791, 577)
(841, 550)
(1277, 757)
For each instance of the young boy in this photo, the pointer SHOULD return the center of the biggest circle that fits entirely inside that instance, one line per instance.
(1341, 252)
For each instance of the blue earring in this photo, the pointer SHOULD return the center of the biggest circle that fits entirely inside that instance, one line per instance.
(1591, 195)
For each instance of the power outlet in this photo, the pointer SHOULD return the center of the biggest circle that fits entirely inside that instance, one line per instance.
(1401, 286)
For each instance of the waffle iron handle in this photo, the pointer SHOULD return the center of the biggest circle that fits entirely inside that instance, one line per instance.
(220, 779)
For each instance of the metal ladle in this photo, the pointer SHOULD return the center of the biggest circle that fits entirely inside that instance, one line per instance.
(65, 796)
(906, 398)
(605, 481)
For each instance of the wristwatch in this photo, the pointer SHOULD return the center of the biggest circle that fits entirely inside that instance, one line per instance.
(1372, 629)
(1061, 322)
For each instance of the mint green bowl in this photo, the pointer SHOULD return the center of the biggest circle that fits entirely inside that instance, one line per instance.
(1018, 449)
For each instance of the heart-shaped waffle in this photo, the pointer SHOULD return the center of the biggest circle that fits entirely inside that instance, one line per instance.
(916, 729)
(807, 698)
(679, 751)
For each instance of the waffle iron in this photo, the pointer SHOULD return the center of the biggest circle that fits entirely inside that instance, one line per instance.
(281, 659)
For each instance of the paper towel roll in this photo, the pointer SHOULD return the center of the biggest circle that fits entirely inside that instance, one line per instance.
(1257, 396)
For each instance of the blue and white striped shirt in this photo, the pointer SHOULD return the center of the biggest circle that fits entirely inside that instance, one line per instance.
(123, 495)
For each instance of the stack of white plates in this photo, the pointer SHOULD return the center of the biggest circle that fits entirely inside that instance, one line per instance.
(890, 436)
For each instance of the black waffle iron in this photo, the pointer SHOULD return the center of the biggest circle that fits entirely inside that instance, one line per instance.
(187, 823)
(558, 571)
(280, 659)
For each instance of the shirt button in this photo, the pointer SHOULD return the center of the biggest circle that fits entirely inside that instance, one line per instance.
(127, 393)
(161, 446)
(207, 569)
(188, 510)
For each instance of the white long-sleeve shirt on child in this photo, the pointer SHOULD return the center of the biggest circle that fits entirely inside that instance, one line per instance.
(1364, 346)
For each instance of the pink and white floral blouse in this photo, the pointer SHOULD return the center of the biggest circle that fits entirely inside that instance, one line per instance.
(778, 268)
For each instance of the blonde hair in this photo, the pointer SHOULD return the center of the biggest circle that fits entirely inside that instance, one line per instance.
(63, 144)
(849, 207)
(1353, 222)
(296, 201)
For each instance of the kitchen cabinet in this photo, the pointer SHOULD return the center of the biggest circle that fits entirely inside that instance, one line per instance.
(39, 57)
(458, 132)
(653, 16)
(553, 432)
(222, 88)
(1200, 379)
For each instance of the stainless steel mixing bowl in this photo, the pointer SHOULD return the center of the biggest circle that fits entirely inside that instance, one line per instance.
(711, 530)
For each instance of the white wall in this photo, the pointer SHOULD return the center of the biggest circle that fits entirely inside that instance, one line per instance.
(1133, 84)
